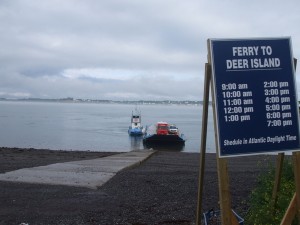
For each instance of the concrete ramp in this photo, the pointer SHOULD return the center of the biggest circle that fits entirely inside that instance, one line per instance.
(86, 173)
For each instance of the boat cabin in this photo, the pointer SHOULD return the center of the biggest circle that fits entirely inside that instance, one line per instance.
(135, 121)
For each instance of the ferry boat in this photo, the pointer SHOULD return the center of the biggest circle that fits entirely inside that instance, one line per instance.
(163, 133)
(135, 129)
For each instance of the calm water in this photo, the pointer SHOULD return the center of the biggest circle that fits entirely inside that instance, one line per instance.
(96, 127)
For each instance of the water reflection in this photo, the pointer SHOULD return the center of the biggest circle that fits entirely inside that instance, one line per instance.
(136, 142)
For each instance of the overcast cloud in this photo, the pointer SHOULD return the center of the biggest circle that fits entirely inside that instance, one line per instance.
(126, 49)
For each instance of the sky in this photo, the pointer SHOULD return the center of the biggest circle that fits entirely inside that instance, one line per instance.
(126, 49)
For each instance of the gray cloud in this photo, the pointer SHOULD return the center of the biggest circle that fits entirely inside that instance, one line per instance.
(127, 49)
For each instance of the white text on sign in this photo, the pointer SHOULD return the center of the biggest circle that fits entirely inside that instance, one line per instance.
(263, 59)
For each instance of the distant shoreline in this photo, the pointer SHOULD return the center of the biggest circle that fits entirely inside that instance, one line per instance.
(75, 100)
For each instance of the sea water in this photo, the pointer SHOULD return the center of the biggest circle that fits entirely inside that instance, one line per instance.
(94, 127)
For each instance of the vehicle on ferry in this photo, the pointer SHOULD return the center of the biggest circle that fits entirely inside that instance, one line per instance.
(163, 133)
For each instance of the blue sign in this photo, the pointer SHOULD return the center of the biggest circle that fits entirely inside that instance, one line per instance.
(255, 96)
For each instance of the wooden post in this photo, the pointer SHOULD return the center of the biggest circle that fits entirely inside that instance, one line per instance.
(203, 141)
(224, 193)
(227, 216)
(294, 207)
(296, 162)
(290, 213)
(279, 165)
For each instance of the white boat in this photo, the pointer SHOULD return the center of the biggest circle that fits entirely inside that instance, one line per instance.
(135, 129)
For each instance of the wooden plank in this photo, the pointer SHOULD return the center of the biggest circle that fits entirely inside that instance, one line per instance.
(279, 165)
(294, 207)
(225, 201)
(290, 212)
(203, 141)
(227, 216)
(296, 162)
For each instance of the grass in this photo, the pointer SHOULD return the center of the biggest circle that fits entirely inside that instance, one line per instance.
(260, 211)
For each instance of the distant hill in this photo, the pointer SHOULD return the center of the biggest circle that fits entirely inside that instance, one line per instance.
(139, 102)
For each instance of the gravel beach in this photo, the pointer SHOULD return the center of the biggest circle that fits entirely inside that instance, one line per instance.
(162, 190)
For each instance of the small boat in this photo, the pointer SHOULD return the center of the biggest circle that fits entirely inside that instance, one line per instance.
(136, 129)
(164, 134)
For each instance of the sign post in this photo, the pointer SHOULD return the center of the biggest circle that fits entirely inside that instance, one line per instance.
(255, 108)
(279, 166)
(207, 82)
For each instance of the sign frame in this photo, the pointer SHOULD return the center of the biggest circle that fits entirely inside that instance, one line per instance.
(241, 57)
